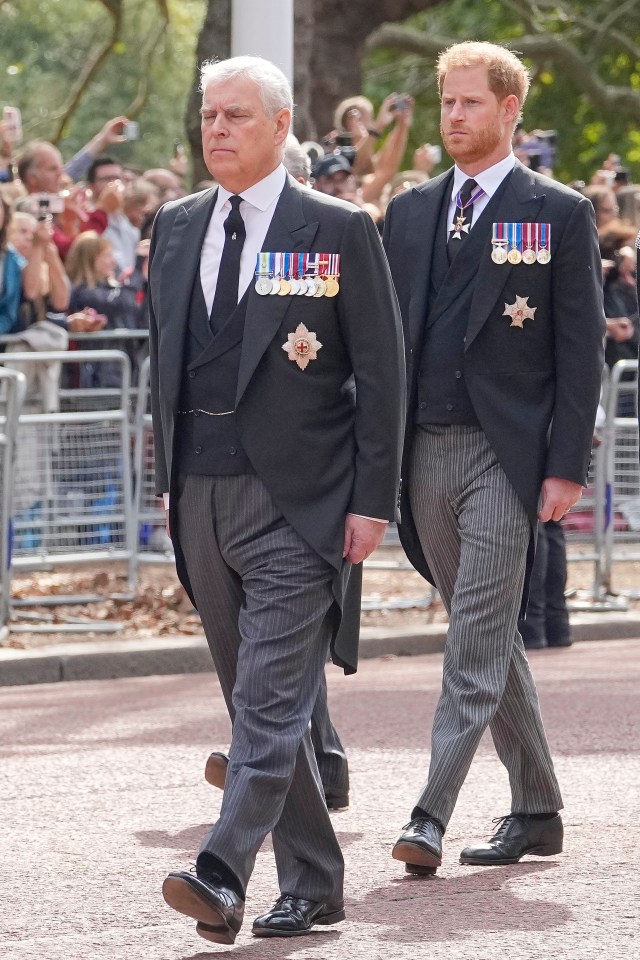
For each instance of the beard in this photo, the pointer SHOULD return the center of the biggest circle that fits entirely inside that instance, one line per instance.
(476, 144)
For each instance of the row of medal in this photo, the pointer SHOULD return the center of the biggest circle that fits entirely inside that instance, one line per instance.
(521, 243)
(298, 274)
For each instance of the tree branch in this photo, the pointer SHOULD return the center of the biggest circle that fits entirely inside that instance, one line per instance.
(114, 8)
(541, 48)
(146, 59)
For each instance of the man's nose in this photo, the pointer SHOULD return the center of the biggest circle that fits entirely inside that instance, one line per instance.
(457, 111)
(219, 126)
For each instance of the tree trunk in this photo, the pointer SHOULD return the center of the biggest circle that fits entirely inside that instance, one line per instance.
(214, 43)
(303, 28)
(341, 29)
(329, 44)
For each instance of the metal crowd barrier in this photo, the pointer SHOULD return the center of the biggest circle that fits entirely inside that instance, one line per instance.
(154, 545)
(84, 483)
(12, 392)
(73, 397)
(72, 483)
(621, 515)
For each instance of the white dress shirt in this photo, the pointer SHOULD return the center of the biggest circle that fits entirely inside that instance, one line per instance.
(490, 179)
(256, 209)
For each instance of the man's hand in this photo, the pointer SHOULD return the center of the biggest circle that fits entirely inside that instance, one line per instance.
(361, 537)
(619, 329)
(558, 496)
(111, 133)
(386, 115)
(111, 199)
(86, 321)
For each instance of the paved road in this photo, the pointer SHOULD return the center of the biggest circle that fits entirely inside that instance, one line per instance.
(102, 793)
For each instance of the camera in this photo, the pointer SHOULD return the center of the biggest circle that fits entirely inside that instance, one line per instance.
(45, 204)
(400, 104)
(341, 143)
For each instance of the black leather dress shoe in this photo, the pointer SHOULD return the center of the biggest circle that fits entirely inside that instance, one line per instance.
(215, 773)
(564, 641)
(419, 846)
(292, 917)
(336, 799)
(534, 643)
(218, 909)
(517, 836)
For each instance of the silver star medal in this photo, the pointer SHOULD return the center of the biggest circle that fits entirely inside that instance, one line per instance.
(519, 311)
(302, 346)
(460, 227)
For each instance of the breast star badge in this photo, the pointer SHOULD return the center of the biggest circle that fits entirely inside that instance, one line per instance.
(519, 311)
(302, 346)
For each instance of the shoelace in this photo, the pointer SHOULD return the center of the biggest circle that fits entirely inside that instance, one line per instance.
(421, 825)
(504, 825)
(287, 903)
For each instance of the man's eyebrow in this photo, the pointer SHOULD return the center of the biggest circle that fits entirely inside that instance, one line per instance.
(230, 106)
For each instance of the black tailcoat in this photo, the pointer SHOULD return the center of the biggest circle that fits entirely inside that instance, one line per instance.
(322, 448)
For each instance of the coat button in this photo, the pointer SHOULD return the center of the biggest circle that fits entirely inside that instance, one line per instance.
(198, 450)
(192, 374)
(458, 374)
(449, 407)
(232, 451)
(422, 405)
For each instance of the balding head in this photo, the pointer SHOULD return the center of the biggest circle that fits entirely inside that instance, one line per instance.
(40, 167)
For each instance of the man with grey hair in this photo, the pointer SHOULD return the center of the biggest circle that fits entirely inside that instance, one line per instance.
(296, 160)
(268, 304)
(327, 746)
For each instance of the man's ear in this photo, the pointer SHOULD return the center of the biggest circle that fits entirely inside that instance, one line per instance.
(511, 108)
(283, 123)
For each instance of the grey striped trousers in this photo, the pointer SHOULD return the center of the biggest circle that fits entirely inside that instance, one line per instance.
(474, 534)
(266, 603)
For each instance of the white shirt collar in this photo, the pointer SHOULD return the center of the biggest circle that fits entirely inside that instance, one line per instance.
(261, 194)
(490, 179)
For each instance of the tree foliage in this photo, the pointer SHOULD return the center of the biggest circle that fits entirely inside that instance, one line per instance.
(584, 57)
(70, 65)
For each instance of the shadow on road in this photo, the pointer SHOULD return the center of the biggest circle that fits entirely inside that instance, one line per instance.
(441, 908)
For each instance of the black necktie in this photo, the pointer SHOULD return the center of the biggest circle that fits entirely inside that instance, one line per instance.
(226, 296)
(461, 219)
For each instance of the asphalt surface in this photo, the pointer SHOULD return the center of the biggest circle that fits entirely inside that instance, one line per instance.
(103, 792)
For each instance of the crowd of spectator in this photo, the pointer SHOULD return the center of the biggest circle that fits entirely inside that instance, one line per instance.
(74, 236)
(74, 240)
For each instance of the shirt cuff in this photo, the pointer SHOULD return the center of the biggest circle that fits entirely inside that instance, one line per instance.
(165, 497)
(362, 517)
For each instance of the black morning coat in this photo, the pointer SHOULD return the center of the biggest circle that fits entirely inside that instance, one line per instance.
(321, 449)
(535, 388)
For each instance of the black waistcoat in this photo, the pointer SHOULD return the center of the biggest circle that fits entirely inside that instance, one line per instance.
(207, 444)
(442, 395)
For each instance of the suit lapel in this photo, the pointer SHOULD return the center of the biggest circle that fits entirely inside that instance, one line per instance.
(179, 266)
(520, 201)
(290, 232)
(422, 225)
